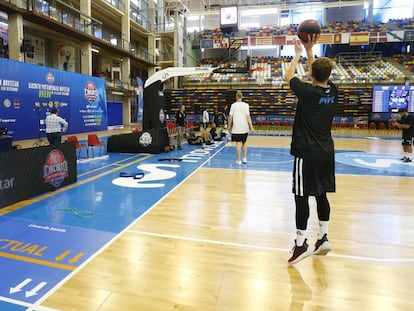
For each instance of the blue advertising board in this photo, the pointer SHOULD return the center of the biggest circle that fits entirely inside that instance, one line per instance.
(29, 92)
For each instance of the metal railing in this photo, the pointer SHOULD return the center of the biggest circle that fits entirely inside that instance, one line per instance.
(72, 17)
(117, 4)
(140, 19)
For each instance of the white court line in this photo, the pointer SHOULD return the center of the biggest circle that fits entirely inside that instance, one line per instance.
(267, 248)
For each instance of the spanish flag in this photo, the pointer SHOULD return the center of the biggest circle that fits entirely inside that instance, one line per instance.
(359, 38)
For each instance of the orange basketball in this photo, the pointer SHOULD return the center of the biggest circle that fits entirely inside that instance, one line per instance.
(308, 27)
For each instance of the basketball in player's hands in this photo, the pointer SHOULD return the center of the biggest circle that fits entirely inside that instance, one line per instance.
(308, 28)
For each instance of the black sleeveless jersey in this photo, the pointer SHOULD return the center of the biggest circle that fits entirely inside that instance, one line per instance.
(313, 119)
(408, 120)
(180, 118)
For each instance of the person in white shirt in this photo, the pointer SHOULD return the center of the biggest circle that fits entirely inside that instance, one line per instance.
(206, 118)
(239, 125)
(55, 126)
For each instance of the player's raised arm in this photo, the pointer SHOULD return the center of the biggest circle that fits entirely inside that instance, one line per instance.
(290, 71)
(313, 39)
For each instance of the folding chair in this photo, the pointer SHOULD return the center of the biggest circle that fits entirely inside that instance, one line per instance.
(93, 141)
(78, 146)
(372, 128)
(382, 128)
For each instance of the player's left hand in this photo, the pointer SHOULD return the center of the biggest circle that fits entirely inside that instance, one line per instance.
(298, 47)
(312, 40)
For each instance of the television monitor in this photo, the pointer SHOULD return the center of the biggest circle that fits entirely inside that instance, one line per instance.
(388, 99)
(229, 16)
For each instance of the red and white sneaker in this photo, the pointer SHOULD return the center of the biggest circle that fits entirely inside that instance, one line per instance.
(322, 246)
(299, 253)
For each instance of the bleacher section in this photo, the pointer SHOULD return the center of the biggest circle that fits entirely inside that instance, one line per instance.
(271, 70)
(406, 60)
(274, 107)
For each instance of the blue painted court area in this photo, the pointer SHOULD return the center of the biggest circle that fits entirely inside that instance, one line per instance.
(43, 242)
(10, 306)
(35, 256)
(347, 162)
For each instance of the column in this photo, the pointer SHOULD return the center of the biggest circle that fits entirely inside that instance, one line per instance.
(16, 36)
(86, 47)
(126, 62)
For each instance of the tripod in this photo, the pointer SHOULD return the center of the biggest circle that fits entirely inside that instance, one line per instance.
(39, 141)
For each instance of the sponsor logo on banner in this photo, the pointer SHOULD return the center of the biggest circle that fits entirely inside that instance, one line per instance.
(55, 169)
(145, 139)
(91, 92)
(50, 78)
(7, 103)
(6, 183)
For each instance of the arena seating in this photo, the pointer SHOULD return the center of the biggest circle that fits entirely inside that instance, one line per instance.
(271, 70)
(334, 27)
(406, 60)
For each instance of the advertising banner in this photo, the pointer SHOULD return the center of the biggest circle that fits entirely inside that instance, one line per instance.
(148, 141)
(29, 92)
(28, 172)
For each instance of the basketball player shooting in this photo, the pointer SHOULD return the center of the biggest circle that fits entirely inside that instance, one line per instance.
(312, 147)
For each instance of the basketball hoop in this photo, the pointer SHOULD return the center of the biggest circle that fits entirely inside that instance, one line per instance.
(259, 75)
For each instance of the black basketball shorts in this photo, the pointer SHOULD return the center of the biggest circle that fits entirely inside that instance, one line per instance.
(314, 175)
(239, 137)
(406, 141)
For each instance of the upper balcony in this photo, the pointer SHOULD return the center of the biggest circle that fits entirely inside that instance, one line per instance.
(69, 20)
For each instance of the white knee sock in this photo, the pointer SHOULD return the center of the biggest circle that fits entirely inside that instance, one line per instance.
(300, 237)
(323, 228)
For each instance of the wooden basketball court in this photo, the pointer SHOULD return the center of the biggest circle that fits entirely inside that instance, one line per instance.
(220, 241)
